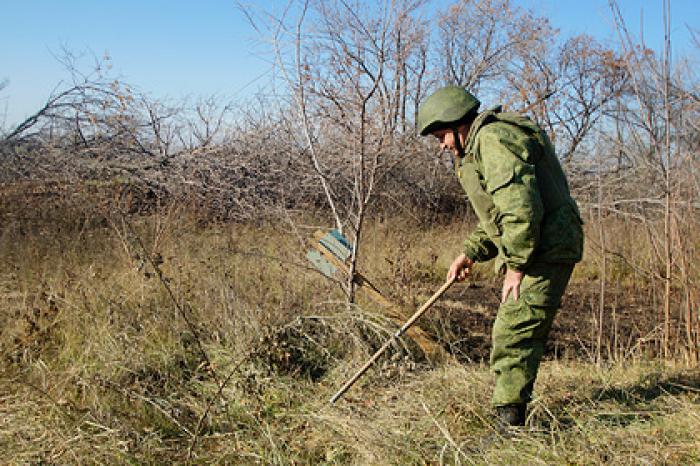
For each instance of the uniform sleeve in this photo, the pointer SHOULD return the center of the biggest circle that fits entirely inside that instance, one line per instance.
(479, 247)
(510, 179)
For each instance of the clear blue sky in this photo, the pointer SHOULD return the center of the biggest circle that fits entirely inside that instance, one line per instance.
(179, 48)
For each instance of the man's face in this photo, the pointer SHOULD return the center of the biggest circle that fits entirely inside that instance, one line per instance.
(446, 139)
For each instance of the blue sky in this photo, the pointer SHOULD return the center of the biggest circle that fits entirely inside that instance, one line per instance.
(180, 48)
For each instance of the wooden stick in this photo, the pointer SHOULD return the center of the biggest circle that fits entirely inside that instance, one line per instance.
(393, 338)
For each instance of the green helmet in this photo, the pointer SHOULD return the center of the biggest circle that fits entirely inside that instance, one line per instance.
(444, 108)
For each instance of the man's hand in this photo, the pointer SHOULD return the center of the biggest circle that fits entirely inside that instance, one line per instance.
(511, 283)
(460, 268)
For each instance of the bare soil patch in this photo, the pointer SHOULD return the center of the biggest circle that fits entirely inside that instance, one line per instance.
(463, 318)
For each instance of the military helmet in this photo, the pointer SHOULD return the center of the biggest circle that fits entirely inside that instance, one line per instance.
(444, 108)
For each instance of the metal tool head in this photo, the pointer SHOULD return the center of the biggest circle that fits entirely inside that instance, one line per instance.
(334, 243)
(320, 263)
(337, 244)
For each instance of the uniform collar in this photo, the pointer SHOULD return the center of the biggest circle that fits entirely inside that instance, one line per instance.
(482, 119)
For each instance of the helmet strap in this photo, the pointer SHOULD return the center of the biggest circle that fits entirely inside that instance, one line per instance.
(458, 143)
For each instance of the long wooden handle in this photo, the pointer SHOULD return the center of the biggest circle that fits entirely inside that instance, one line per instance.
(396, 335)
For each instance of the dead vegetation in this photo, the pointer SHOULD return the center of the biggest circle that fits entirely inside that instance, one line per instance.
(236, 362)
(159, 309)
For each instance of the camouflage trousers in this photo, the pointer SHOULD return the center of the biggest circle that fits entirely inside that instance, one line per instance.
(521, 330)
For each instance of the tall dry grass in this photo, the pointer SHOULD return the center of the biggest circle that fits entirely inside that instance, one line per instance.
(161, 340)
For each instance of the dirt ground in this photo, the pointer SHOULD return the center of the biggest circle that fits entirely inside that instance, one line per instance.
(462, 320)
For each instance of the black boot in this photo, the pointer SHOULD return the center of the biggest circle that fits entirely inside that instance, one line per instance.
(510, 416)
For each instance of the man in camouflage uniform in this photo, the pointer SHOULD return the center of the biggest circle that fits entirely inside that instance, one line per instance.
(528, 223)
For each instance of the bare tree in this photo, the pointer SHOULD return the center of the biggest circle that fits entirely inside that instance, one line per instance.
(566, 88)
(654, 135)
(347, 66)
(479, 39)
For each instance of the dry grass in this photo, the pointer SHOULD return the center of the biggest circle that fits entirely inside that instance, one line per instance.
(100, 364)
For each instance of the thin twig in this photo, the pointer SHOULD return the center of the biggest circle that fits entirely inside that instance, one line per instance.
(171, 294)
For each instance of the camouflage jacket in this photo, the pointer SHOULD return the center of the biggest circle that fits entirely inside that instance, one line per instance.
(519, 192)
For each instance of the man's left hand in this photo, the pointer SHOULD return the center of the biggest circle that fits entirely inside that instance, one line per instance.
(511, 284)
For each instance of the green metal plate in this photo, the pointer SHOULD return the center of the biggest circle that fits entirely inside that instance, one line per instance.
(318, 261)
(337, 244)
